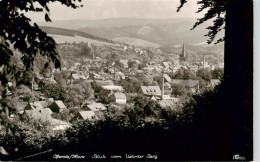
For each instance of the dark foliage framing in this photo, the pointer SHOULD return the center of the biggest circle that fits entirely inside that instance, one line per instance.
(17, 32)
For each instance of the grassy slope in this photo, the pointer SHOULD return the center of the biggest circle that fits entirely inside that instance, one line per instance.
(72, 33)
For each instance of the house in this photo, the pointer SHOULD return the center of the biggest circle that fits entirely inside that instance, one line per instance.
(9, 84)
(98, 77)
(120, 98)
(75, 76)
(167, 78)
(124, 62)
(20, 106)
(119, 76)
(176, 67)
(167, 88)
(44, 104)
(153, 98)
(32, 106)
(59, 124)
(98, 58)
(148, 69)
(151, 91)
(113, 88)
(143, 52)
(8, 92)
(167, 85)
(166, 64)
(96, 106)
(83, 115)
(104, 83)
(49, 101)
(77, 64)
(57, 106)
(84, 77)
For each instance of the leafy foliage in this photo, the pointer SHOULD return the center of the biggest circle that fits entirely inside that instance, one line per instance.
(184, 74)
(19, 33)
(217, 73)
(131, 84)
(24, 136)
(132, 64)
(54, 91)
(205, 74)
(179, 90)
(72, 95)
(216, 9)
(197, 130)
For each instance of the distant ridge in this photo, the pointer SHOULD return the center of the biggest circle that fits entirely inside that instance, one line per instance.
(134, 31)
(111, 22)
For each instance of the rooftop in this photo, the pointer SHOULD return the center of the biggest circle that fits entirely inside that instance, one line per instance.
(96, 106)
(125, 62)
(40, 114)
(120, 96)
(60, 104)
(151, 90)
(75, 76)
(167, 78)
(87, 114)
(113, 87)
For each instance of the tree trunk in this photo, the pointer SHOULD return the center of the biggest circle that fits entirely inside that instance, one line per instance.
(238, 78)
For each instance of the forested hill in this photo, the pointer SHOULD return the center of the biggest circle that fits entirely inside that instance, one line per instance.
(72, 33)
(129, 30)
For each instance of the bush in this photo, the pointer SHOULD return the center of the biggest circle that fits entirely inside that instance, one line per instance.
(23, 137)
(201, 129)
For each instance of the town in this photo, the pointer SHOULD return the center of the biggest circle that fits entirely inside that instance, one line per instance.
(95, 78)
(127, 80)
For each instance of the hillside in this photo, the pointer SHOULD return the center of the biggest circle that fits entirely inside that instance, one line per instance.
(158, 31)
(109, 22)
(70, 35)
(163, 33)
(136, 42)
(60, 39)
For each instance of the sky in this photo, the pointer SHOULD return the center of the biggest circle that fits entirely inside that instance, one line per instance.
(101, 9)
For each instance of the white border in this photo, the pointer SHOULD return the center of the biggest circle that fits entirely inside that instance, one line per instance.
(256, 89)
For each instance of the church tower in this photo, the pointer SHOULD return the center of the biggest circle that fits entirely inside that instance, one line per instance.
(183, 54)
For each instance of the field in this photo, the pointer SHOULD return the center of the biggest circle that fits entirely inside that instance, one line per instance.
(136, 42)
(78, 39)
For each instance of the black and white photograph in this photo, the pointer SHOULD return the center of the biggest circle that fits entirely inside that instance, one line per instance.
(127, 80)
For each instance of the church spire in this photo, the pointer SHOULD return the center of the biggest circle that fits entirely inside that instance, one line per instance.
(183, 50)
(182, 55)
